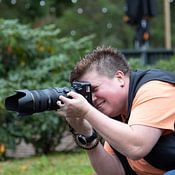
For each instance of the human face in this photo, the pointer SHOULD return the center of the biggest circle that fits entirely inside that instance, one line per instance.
(109, 95)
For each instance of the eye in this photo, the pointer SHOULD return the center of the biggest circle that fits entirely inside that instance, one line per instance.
(94, 88)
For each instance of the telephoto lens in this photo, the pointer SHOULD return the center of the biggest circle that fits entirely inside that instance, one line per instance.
(27, 102)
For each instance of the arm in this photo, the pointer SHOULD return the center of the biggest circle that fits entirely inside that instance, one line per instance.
(105, 163)
(102, 162)
(132, 141)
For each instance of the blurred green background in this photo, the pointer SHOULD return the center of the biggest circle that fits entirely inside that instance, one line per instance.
(40, 41)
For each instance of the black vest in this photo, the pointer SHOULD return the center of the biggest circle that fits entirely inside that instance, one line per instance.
(162, 156)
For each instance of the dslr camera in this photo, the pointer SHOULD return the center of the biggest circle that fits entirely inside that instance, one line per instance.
(28, 102)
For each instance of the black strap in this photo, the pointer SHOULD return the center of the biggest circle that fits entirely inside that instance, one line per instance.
(124, 161)
(162, 156)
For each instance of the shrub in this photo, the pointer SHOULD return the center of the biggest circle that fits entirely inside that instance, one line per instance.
(164, 64)
(34, 59)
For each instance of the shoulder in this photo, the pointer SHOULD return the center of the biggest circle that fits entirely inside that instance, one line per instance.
(153, 105)
(154, 89)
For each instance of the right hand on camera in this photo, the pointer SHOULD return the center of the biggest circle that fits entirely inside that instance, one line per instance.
(74, 109)
(77, 106)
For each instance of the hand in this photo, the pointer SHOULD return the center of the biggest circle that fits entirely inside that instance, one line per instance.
(73, 110)
(76, 107)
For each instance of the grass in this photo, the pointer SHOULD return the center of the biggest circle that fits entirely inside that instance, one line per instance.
(75, 163)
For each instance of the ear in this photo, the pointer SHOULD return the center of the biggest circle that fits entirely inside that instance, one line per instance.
(120, 77)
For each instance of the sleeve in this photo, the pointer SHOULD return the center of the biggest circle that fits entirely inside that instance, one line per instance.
(154, 105)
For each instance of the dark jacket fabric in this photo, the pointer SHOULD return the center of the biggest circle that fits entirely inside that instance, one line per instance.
(162, 155)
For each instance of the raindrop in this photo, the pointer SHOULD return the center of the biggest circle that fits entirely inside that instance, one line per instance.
(109, 25)
(79, 10)
(42, 3)
(73, 32)
(74, 1)
(104, 10)
(13, 2)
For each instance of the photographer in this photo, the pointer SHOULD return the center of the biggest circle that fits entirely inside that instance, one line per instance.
(133, 111)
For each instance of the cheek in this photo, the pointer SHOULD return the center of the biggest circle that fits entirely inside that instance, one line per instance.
(102, 94)
(114, 102)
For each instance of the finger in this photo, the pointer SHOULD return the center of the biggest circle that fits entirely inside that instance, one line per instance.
(60, 103)
(73, 94)
(64, 99)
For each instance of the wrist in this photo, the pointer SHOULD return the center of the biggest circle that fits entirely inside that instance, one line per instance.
(88, 112)
(81, 126)
(85, 142)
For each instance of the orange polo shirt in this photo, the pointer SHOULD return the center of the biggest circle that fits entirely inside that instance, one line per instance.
(154, 106)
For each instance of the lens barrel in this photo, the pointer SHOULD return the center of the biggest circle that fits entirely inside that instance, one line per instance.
(27, 102)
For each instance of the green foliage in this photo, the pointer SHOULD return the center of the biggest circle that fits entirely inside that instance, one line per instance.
(135, 63)
(75, 163)
(164, 64)
(76, 18)
(37, 59)
(31, 11)
(102, 18)
(20, 44)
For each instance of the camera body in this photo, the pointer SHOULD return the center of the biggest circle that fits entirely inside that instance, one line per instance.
(28, 102)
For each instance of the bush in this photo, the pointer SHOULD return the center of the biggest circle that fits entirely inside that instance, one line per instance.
(34, 59)
(164, 64)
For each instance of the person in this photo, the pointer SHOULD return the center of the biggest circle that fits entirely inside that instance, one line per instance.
(130, 110)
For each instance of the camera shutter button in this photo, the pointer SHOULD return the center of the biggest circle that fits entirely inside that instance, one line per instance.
(66, 90)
